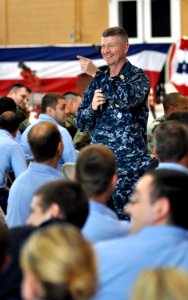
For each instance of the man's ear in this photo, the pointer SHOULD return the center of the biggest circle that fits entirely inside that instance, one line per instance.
(55, 211)
(60, 148)
(162, 210)
(126, 48)
(114, 180)
(50, 111)
(155, 153)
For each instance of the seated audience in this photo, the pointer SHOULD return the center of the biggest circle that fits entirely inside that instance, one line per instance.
(58, 263)
(80, 139)
(96, 171)
(173, 102)
(55, 202)
(7, 104)
(20, 93)
(11, 154)
(158, 234)
(52, 109)
(59, 199)
(161, 284)
(171, 145)
(46, 144)
(73, 100)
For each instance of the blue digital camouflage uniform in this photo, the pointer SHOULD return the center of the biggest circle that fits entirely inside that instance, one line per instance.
(120, 125)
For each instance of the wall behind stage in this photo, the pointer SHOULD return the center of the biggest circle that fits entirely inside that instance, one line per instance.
(26, 22)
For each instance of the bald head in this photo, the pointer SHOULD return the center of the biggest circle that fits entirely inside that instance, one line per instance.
(44, 139)
(9, 121)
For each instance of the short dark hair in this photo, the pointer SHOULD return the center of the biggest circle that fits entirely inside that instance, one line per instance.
(171, 99)
(180, 116)
(7, 103)
(95, 167)
(171, 184)
(43, 139)
(171, 140)
(50, 100)
(69, 196)
(9, 120)
(116, 31)
(17, 86)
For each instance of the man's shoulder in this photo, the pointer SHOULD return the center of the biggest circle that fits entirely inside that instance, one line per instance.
(155, 123)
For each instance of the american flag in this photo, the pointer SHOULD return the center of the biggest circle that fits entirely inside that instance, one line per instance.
(56, 68)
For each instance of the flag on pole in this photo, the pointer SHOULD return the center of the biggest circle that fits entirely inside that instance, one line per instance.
(48, 69)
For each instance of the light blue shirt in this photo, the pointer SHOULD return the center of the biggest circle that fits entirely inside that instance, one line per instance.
(11, 157)
(23, 189)
(172, 166)
(69, 153)
(121, 260)
(103, 224)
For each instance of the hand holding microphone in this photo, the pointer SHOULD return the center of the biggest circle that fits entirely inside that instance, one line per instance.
(98, 100)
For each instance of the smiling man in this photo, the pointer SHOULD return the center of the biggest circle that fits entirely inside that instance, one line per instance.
(114, 110)
(158, 239)
(53, 108)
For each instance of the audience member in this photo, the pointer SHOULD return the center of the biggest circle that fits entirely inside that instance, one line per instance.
(55, 202)
(73, 100)
(20, 93)
(163, 284)
(46, 144)
(96, 171)
(58, 263)
(159, 224)
(170, 140)
(7, 104)
(11, 153)
(181, 116)
(52, 109)
(59, 199)
(173, 102)
(80, 139)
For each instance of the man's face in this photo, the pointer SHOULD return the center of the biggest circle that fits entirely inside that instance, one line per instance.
(72, 105)
(59, 113)
(141, 210)
(113, 50)
(21, 97)
(182, 104)
(37, 215)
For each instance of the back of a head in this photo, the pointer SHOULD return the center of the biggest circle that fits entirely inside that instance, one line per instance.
(180, 116)
(67, 270)
(171, 141)
(116, 31)
(50, 100)
(172, 99)
(9, 121)
(95, 167)
(172, 185)
(161, 284)
(44, 139)
(69, 196)
(7, 104)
